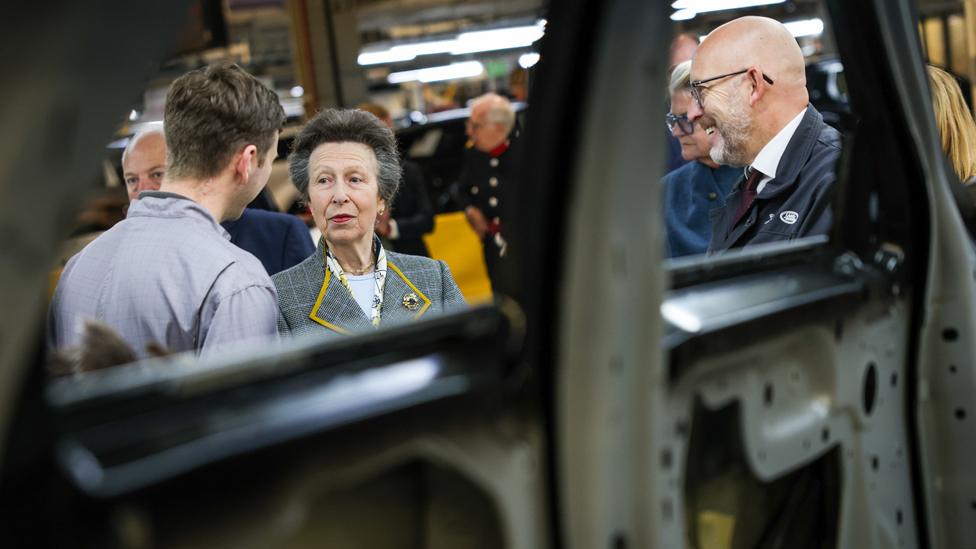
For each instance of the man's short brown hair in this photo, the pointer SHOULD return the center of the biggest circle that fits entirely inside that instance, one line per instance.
(211, 113)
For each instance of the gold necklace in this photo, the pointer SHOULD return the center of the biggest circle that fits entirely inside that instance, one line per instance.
(368, 267)
(362, 272)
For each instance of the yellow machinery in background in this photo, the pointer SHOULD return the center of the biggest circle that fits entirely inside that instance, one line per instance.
(454, 242)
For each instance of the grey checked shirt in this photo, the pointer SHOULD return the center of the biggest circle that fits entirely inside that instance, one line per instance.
(167, 273)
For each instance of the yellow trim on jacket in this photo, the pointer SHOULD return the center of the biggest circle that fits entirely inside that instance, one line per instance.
(335, 327)
(318, 303)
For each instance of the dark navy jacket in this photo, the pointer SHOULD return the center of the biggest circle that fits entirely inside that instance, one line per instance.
(690, 192)
(412, 211)
(796, 203)
(279, 240)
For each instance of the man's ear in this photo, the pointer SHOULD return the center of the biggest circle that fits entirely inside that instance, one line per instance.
(242, 165)
(758, 85)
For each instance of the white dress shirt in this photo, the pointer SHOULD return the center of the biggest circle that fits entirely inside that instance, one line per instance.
(768, 158)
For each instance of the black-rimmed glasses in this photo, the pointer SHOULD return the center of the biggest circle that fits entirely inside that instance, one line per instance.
(681, 121)
(696, 85)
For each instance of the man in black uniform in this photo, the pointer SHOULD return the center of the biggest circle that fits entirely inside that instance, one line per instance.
(487, 179)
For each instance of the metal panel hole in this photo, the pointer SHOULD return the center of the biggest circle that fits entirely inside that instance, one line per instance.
(666, 458)
(875, 462)
(960, 413)
(894, 379)
(870, 389)
(768, 394)
(619, 541)
(950, 334)
(953, 369)
(972, 504)
(898, 517)
(825, 434)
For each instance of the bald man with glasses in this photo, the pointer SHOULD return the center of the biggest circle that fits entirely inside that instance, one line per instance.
(748, 81)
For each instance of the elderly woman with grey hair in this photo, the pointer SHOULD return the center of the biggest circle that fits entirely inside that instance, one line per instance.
(346, 167)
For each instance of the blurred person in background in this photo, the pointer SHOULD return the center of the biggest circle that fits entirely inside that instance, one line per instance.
(683, 48)
(488, 176)
(168, 274)
(144, 161)
(411, 216)
(956, 127)
(346, 167)
(748, 80)
(698, 187)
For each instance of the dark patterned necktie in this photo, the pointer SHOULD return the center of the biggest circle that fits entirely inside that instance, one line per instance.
(748, 193)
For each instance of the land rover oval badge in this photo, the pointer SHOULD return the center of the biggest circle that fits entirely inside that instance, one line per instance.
(411, 301)
(789, 217)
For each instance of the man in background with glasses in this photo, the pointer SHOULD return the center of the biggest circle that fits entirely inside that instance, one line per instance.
(748, 81)
(698, 187)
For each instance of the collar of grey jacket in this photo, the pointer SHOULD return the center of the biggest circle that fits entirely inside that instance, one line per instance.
(336, 309)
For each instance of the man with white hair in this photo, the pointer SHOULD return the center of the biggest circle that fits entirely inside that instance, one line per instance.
(488, 175)
(144, 161)
(748, 80)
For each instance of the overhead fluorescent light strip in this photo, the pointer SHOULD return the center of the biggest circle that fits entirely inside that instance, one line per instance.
(383, 56)
(705, 6)
(454, 71)
(497, 39)
(688, 9)
(464, 43)
(805, 27)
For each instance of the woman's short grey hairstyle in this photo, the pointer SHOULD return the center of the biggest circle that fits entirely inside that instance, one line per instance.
(347, 126)
(680, 78)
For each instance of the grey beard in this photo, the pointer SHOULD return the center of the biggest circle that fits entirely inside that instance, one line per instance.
(732, 150)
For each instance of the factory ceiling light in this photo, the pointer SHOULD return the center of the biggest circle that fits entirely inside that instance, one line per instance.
(464, 43)
(688, 9)
(454, 71)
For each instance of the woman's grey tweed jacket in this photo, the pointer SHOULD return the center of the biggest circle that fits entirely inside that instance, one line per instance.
(311, 300)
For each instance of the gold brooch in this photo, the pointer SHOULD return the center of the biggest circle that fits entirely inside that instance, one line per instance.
(411, 301)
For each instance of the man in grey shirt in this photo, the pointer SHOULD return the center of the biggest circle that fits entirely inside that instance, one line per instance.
(168, 273)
